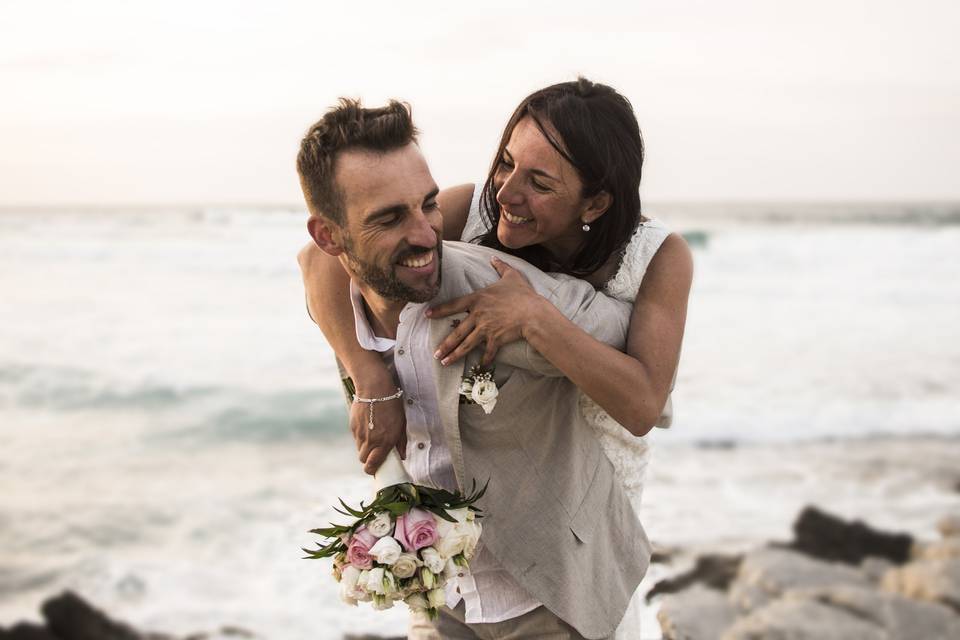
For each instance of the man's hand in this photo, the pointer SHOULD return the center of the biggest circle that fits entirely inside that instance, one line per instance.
(389, 426)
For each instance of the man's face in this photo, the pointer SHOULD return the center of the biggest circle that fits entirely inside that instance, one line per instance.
(392, 230)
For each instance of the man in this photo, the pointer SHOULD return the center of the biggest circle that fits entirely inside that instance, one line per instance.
(562, 550)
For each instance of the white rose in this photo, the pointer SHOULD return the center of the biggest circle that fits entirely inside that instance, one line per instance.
(386, 550)
(349, 577)
(417, 602)
(352, 585)
(461, 515)
(375, 581)
(405, 566)
(466, 387)
(381, 603)
(454, 538)
(472, 530)
(381, 525)
(485, 394)
(347, 594)
(437, 598)
(432, 559)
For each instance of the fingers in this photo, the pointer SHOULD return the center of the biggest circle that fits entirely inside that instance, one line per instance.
(366, 447)
(489, 352)
(375, 459)
(454, 338)
(472, 341)
(457, 305)
(501, 267)
(507, 272)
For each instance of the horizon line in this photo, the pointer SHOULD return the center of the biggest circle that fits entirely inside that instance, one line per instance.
(297, 207)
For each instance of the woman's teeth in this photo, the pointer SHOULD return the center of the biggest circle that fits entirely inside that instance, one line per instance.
(418, 261)
(515, 219)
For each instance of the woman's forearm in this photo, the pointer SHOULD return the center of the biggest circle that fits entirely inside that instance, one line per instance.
(327, 288)
(619, 383)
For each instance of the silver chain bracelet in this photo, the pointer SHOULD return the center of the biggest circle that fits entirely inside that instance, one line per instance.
(373, 401)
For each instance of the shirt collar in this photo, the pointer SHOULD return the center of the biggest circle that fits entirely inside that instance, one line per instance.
(365, 336)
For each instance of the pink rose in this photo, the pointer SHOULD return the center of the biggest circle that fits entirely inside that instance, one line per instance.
(358, 548)
(416, 529)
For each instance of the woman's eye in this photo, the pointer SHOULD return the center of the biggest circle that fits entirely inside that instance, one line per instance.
(539, 187)
(506, 164)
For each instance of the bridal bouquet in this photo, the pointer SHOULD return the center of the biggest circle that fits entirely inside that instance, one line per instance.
(404, 545)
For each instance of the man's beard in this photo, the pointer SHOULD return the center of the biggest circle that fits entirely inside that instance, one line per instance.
(385, 281)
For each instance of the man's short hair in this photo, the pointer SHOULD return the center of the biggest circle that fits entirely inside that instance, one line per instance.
(347, 126)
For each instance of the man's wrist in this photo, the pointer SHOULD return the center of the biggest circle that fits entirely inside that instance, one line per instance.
(374, 382)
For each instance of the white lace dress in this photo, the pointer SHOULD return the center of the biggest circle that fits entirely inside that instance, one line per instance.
(628, 453)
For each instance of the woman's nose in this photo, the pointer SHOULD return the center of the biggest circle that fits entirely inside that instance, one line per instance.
(509, 192)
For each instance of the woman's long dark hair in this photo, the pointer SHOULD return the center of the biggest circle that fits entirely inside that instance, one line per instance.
(600, 137)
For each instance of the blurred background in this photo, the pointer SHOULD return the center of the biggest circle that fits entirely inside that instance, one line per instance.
(170, 421)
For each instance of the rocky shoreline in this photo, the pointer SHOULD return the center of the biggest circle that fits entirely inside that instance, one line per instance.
(69, 617)
(836, 580)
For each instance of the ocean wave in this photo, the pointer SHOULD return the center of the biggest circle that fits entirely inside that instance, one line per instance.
(266, 418)
(881, 213)
(179, 413)
(71, 388)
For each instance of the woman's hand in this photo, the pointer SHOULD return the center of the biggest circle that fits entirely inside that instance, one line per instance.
(496, 316)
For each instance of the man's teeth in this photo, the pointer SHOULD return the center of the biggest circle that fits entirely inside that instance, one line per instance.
(420, 261)
(515, 219)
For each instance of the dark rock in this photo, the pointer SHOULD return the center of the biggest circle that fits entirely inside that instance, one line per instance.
(825, 536)
(713, 570)
(663, 555)
(69, 617)
(26, 631)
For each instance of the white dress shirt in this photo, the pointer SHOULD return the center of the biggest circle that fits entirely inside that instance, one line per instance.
(489, 592)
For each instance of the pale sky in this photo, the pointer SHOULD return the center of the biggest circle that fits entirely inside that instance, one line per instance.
(113, 102)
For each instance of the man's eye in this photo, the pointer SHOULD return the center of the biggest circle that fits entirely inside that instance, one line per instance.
(431, 206)
(389, 222)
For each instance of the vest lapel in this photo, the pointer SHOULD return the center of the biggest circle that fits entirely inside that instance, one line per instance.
(448, 396)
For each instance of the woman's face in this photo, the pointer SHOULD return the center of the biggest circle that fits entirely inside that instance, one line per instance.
(539, 194)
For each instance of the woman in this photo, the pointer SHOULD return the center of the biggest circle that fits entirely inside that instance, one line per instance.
(563, 194)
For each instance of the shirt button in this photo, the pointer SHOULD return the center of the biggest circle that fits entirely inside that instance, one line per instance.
(400, 351)
(409, 400)
(420, 445)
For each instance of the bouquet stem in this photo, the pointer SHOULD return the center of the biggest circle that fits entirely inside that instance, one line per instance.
(391, 472)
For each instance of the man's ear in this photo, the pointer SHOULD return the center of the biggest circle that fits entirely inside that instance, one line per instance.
(596, 206)
(326, 235)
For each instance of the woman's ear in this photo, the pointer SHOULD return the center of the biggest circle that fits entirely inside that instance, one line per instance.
(326, 235)
(596, 206)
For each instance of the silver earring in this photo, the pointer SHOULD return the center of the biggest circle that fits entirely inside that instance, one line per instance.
(586, 227)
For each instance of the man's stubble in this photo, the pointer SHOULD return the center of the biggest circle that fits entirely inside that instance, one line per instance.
(385, 281)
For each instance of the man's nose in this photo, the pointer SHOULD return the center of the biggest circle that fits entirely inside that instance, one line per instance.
(421, 233)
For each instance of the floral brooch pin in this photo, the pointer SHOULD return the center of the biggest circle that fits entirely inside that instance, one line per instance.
(478, 387)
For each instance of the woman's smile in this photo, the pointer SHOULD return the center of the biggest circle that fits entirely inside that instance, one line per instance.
(513, 219)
